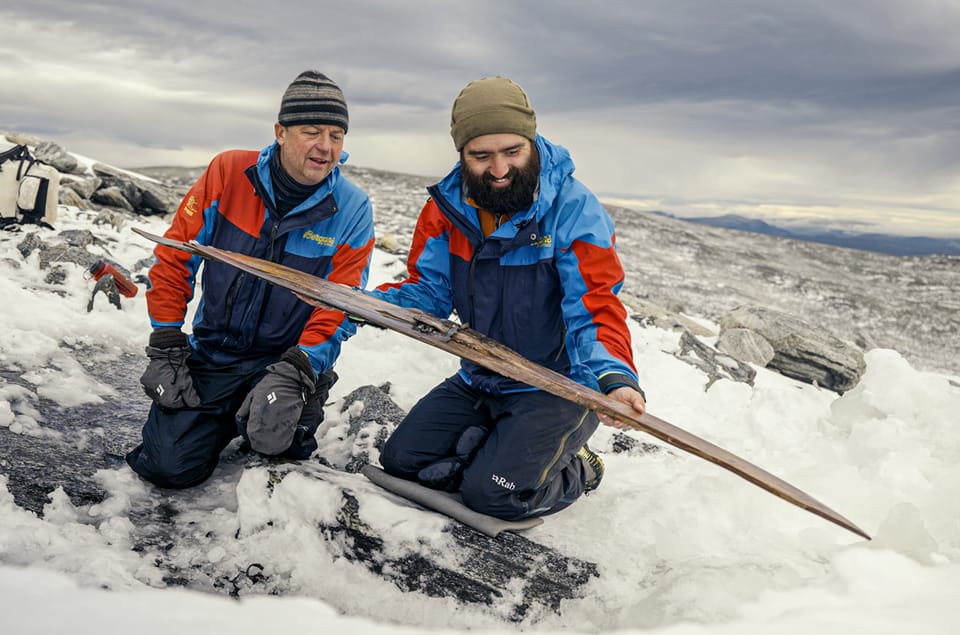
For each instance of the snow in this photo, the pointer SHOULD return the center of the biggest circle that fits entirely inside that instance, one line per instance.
(683, 547)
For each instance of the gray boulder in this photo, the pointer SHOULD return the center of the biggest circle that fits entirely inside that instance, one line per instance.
(84, 186)
(112, 196)
(145, 197)
(126, 185)
(157, 199)
(69, 196)
(53, 154)
(746, 345)
(22, 138)
(801, 350)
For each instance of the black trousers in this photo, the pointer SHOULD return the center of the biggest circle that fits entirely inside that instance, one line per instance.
(511, 456)
(181, 448)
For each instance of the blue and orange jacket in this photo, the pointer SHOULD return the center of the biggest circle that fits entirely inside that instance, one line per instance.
(240, 316)
(545, 283)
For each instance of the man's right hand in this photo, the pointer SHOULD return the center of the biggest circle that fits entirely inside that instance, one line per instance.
(167, 378)
(630, 396)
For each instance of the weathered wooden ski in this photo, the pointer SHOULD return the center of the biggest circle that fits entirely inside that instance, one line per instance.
(472, 345)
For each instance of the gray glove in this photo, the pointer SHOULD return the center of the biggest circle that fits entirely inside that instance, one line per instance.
(269, 415)
(167, 378)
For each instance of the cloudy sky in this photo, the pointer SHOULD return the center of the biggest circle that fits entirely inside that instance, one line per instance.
(836, 109)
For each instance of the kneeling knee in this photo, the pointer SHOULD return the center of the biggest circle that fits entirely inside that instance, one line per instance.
(170, 473)
(396, 460)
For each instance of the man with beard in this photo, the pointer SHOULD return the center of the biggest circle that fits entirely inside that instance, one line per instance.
(259, 361)
(525, 254)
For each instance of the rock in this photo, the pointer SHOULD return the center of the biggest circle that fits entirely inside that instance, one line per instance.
(711, 362)
(102, 170)
(80, 238)
(115, 219)
(23, 138)
(144, 197)
(29, 244)
(112, 196)
(127, 188)
(370, 427)
(53, 154)
(625, 444)
(649, 314)
(68, 247)
(157, 199)
(801, 351)
(53, 254)
(56, 275)
(84, 186)
(69, 196)
(746, 345)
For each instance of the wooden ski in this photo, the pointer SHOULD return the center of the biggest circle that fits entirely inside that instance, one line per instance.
(472, 345)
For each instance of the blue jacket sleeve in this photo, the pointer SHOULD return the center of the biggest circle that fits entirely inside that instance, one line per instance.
(427, 285)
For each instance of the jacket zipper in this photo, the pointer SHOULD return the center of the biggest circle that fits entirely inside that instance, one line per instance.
(238, 283)
(471, 287)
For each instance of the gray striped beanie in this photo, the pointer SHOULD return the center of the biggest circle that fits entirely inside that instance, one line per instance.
(313, 98)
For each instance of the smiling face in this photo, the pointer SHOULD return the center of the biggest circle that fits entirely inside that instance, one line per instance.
(501, 171)
(309, 153)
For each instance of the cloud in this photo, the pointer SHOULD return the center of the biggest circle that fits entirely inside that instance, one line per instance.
(745, 101)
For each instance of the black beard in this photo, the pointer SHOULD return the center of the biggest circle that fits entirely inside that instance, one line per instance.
(515, 197)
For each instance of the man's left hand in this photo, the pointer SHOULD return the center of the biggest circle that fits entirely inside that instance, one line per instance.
(629, 396)
(269, 415)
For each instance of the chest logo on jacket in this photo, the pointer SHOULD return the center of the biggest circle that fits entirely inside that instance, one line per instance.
(542, 241)
(327, 241)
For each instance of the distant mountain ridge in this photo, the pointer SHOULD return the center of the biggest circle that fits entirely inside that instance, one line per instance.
(880, 243)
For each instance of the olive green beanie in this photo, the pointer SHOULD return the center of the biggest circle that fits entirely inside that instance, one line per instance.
(492, 105)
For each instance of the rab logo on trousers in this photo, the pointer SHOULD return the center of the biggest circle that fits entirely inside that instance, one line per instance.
(502, 482)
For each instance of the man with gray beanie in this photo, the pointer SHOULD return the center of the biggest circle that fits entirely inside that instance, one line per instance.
(525, 254)
(259, 361)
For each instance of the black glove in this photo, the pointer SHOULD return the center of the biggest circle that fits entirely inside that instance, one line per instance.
(167, 378)
(271, 411)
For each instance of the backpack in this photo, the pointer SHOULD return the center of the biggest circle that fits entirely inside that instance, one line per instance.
(29, 189)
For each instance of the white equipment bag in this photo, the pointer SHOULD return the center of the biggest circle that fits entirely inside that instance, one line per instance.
(29, 189)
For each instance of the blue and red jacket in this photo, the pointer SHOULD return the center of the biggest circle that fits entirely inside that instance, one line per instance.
(545, 283)
(240, 316)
